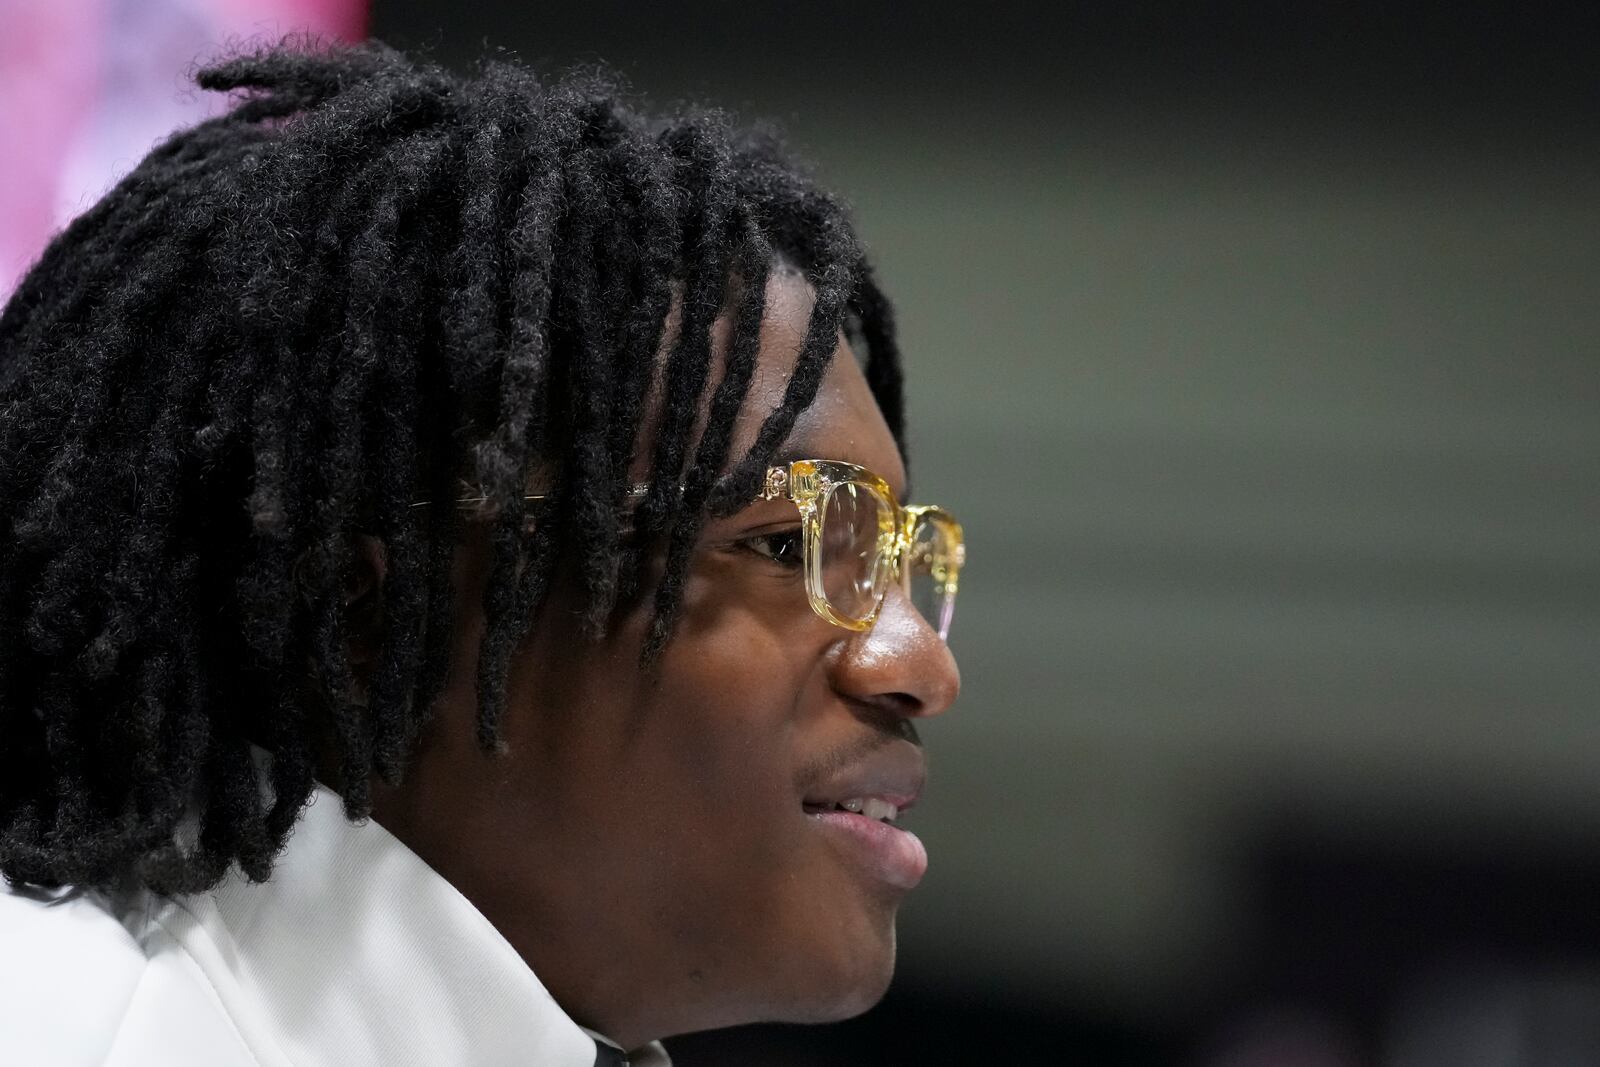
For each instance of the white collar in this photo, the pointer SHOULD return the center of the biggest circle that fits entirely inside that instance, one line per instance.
(356, 951)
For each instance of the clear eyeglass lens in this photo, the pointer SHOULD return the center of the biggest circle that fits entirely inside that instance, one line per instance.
(926, 570)
(856, 539)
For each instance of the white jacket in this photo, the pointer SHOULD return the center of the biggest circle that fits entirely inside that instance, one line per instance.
(354, 952)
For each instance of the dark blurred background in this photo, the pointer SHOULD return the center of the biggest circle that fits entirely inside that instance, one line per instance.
(1256, 345)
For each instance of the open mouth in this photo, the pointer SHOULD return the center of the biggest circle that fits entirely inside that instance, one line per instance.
(872, 807)
(857, 811)
(864, 828)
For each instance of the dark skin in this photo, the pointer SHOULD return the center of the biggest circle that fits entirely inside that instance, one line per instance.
(642, 841)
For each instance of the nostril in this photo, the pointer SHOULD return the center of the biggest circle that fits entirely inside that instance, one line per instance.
(894, 714)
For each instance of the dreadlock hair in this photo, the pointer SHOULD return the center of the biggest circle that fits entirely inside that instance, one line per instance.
(367, 281)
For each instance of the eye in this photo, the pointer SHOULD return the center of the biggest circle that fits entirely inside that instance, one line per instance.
(783, 547)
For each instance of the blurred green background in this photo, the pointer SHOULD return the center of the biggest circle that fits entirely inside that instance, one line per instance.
(1257, 349)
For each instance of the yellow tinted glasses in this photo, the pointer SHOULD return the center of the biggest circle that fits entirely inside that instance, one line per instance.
(857, 540)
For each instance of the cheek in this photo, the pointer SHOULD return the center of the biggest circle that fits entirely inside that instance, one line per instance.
(723, 720)
(730, 694)
(719, 742)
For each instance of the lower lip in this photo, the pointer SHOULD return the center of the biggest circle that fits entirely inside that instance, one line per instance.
(894, 855)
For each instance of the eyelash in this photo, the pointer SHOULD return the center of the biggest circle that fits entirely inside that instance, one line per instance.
(786, 554)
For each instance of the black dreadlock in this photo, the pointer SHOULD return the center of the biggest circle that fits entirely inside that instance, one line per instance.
(369, 279)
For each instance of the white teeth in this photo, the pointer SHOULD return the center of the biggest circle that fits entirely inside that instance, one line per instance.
(879, 809)
(871, 807)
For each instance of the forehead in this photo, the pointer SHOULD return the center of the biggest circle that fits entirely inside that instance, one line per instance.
(844, 421)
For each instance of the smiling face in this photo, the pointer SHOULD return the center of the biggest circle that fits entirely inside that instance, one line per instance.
(664, 849)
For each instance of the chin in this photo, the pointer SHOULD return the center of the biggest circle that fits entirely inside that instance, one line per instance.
(857, 979)
(863, 998)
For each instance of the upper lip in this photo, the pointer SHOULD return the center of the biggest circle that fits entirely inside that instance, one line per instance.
(894, 773)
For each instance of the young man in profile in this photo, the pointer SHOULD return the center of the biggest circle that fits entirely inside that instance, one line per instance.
(455, 600)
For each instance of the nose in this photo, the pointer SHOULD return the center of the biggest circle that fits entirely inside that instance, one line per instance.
(900, 664)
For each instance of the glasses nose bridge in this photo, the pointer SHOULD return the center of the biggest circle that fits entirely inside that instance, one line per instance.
(894, 539)
(898, 563)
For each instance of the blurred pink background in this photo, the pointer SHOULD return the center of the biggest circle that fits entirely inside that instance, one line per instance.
(87, 87)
